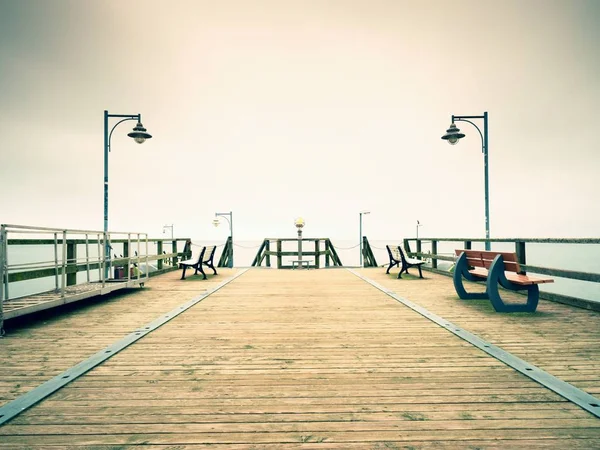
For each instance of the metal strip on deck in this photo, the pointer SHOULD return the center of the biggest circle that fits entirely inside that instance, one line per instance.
(20, 404)
(562, 388)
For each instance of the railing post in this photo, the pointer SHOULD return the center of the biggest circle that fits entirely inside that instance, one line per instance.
(127, 272)
(467, 245)
(434, 250)
(418, 248)
(3, 275)
(174, 250)
(278, 253)
(268, 249)
(317, 253)
(407, 246)
(71, 263)
(327, 253)
(159, 252)
(520, 251)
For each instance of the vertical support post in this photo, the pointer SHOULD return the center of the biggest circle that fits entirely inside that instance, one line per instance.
(418, 248)
(487, 192)
(407, 246)
(174, 250)
(56, 271)
(360, 241)
(279, 253)
(106, 149)
(468, 245)
(159, 251)
(72, 263)
(63, 275)
(521, 256)
(126, 255)
(434, 250)
(231, 235)
(268, 249)
(101, 271)
(87, 257)
(299, 247)
(317, 253)
(3, 275)
(327, 253)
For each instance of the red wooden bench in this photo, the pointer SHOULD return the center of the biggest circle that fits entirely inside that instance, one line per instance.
(496, 269)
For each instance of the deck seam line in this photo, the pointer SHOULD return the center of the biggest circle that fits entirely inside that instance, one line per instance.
(25, 401)
(562, 388)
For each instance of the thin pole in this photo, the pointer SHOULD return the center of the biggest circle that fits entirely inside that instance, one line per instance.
(360, 240)
(106, 246)
(231, 234)
(487, 193)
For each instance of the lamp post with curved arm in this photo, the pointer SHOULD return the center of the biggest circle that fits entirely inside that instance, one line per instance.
(230, 221)
(453, 135)
(360, 237)
(138, 134)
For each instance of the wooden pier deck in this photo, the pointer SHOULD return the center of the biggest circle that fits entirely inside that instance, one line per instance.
(301, 359)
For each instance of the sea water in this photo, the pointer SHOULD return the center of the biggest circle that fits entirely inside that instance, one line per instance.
(578, 257)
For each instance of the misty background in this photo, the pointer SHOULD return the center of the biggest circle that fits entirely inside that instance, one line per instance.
(318, 109)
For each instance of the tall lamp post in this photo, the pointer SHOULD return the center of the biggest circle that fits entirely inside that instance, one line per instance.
(418, 225)
(453, 135)
(173, 246)
(168, 226)
(230, 221)
(299, 222)
(360, 237)
(139, 135)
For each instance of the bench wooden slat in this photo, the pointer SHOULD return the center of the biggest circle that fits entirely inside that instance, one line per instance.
(480, 258)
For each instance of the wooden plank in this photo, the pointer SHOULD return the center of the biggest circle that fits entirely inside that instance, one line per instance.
(285, 359)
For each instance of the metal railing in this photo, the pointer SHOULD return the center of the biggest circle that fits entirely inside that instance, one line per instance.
(35, 260)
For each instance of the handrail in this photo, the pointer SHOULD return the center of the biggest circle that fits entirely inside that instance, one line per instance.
(65, 263)
(264, 252)
(520, 250)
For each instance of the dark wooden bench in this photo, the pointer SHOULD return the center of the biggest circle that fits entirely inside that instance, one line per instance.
(398, 258)
(205, 257)
(496, 269)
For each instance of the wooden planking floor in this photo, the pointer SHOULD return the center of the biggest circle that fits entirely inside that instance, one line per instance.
(562, 340)
(39, 347)
(312, 359)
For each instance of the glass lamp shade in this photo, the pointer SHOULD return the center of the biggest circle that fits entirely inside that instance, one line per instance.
(453, 134)
(139, 134)
(299, 222)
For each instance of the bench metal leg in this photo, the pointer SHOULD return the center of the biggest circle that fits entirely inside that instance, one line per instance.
(497, 277)
(461, 270)
(183, 273)
(213, 268)
(390, 266)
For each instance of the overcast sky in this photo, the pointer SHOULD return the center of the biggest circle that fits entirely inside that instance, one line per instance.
(320, 109)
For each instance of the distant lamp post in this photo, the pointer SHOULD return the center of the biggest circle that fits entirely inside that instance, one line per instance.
(360, 236)
(216, 223)
(139, 135)
(453, 135)
(168, 226)
(418, 225)
(299, 222)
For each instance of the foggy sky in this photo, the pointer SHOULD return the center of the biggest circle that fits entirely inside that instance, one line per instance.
(319, 109)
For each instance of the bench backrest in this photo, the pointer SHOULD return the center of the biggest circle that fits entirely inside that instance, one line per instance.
(395, 252)
(208, 253)
(481, 258)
